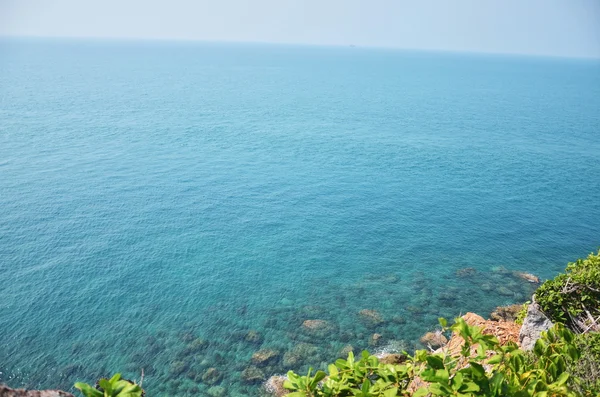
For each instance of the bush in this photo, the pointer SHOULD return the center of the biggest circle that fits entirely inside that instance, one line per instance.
(510, 371)
(586, 370)
(113, 387)
(573, 298)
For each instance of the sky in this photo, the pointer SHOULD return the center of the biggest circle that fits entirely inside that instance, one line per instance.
(538, 27)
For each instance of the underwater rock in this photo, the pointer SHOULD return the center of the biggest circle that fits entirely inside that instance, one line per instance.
(264, 357)
(371, 317)
(253, 337)
(534, 323)
(500, 270)
(6, 391)
(528, 277)
(392, 359)
(343, 353)
(375, 340)
(315, 325)
(274, 386)
(196, 345)
(212, 376)
(506, 313)
(434, 340)
(415, 309)
(217, 391)
(504, 291)
(178, 367)
(486, 287)
(298, 354)
(252, 374)
(398, 320)
(466, 272)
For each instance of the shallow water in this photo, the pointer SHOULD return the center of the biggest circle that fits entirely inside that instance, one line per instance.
(155, 193)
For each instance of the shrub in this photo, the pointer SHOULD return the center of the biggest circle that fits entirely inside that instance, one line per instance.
(573, 298)
(113, 387)
(510, 371)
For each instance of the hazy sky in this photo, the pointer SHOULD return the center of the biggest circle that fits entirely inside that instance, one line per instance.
(550, 27)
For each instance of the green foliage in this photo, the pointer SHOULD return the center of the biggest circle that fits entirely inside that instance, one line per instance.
(113, 387)
(586, 370)
(522, 313)
(366, 377)
(492, 371)
(573, 298)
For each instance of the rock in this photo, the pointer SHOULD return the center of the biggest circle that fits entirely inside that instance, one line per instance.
(299, 354)
(315, 325)
(217, 391)
(6, 391)
(375, 340)
(195, 346)
(264, 357)
(343, 353)
(466, 272)
(371, 317)
(253, 337)
(534, 323)
(434, 340)
(398, 320)
(500, 270)
(252, 374)
(504, 291)
(528, 277)
(506, 313)
(212, 376)
(274, 386)
(392, 359)
(178, 367)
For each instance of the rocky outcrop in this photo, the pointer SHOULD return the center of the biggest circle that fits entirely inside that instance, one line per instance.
(8, 392)
(274, 386)
(434, 340)
(392, 359)
(506, 313)
(534, 323)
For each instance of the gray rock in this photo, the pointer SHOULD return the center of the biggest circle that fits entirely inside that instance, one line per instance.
(8, 392)
(534, 323)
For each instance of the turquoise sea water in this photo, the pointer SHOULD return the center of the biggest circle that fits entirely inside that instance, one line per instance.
(155, 193)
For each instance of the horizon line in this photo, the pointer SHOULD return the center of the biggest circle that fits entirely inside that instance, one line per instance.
(299, 44)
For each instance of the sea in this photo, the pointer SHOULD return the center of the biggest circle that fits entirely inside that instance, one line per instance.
(172, 208)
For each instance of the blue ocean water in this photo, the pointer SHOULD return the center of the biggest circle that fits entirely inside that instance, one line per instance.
(160, 200)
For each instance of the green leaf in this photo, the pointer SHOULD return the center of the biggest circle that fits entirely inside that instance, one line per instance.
(393, 392)
(443, 322)
(115, 378)
(106, 386)
(87, 390)
(365, 387)
(435, 361)
(317, 378)
(333, 371)
(562, 379)
(457, 381)
(422, 392)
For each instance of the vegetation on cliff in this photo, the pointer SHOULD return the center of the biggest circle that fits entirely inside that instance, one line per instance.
(565, 361)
